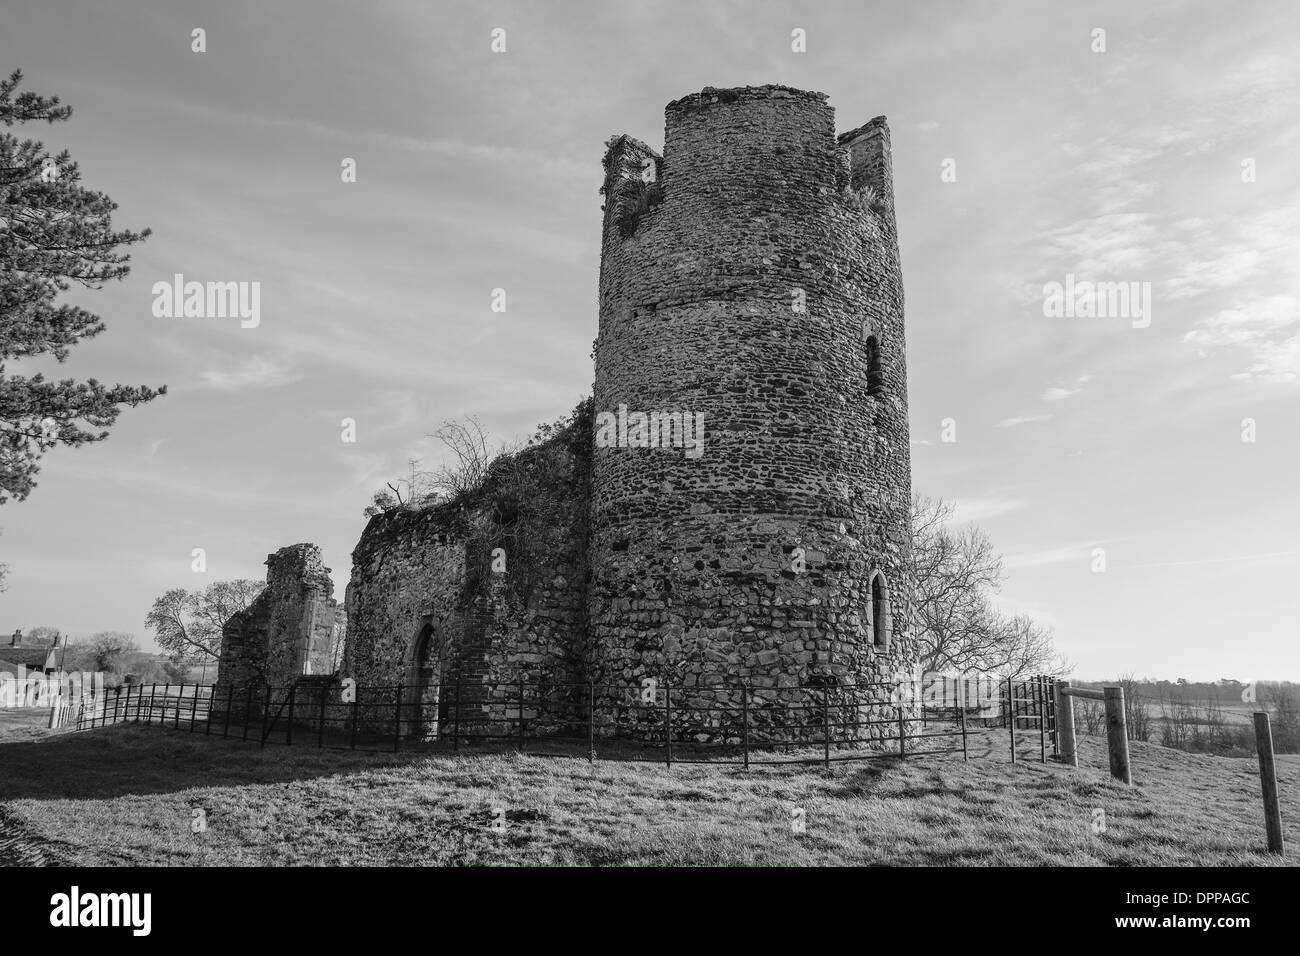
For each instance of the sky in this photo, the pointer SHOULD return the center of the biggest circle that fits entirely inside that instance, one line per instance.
(1028, 148)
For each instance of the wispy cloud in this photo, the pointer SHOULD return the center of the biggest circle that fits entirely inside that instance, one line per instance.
(980, 508)
(1021, 420)
(1058, 393)
(252, 373)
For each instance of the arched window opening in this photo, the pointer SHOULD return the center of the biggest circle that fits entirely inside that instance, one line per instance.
(875, 376)
(880, 622)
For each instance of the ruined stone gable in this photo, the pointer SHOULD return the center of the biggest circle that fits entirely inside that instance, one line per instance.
(294, 628)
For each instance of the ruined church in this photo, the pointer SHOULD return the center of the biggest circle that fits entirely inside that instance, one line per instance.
(727, 515)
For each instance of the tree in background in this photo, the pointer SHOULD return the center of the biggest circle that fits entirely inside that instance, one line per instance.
(1284, 711)
(42, 634)
(957, 574)
(108, 651)
(187, 624)
(53, 233)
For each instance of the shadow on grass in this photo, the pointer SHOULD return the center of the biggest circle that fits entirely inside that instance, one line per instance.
(129, 759)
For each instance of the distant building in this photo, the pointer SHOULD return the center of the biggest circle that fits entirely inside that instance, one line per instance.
(17, 657)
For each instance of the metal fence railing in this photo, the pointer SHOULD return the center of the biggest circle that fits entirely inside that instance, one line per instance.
(736, 723)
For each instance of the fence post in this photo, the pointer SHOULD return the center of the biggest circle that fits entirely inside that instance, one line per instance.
(590, 722)
(961, 719)
(230, 701)
(826, 727)
(293, 693)
(180, 695)
(1040, 692)
(1117, 733)
(356, 715)
(117, 701)
(1051, 711)
(1065, 724)
(668, 722)
(744, 711)
(194, 709)
(320, 732)
(266, 707)
(1011, 703)
(148, 717)
(1268, 782)
(521, 714)
(455, 719)
(397, 730)
(902, 733)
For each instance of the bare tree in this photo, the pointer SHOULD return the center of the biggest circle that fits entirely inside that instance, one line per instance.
(187, 624)
(470, 462)
(1284, 706)
(957, 572)
(470, 459)
(1137, 711)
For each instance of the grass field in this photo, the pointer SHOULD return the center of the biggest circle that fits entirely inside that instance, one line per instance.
(127, 795)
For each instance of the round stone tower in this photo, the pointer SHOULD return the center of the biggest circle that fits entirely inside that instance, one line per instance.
(751, 481)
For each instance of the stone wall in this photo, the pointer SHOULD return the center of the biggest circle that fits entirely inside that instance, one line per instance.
(290, 630)
(754, 561)
(473, 595)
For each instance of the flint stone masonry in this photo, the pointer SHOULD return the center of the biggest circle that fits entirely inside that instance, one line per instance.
(293, 628)
(426, 606)
(750, 274)
(694, 577)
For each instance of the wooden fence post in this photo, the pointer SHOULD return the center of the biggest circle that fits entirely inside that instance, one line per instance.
(1117, 734)
(1268, 781)
(1065, 724)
